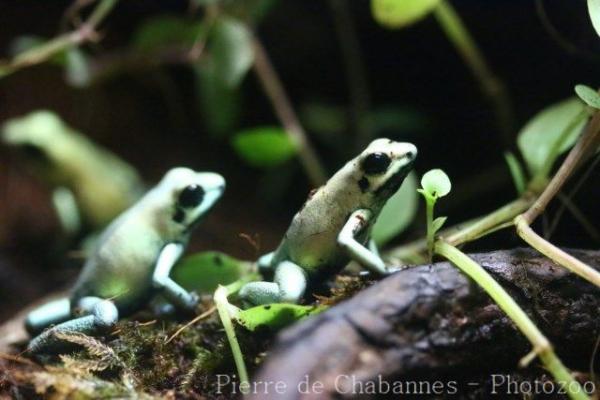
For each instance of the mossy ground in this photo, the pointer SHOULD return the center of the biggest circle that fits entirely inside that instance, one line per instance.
(137, 359)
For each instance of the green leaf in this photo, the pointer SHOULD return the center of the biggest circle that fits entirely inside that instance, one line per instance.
(275, 316)
(23, 43)
(77, 70)
(516, 171)
(264, 147)
(594, 11)
(550, 133)
(203, 272)
(231, 49)
(400, 13)
(398, 212)
(436, 183)
(165, 31)
(438, 223)
(219, 103)
(588, 95)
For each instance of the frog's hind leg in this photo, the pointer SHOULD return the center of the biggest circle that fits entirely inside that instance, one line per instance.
(52, 313)
(288, 287)
(99, 317)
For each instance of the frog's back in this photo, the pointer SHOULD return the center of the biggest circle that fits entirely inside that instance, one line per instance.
(122, 264)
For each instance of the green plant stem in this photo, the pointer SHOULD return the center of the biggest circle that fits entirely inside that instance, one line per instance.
(488, 223)
(491, 85)
(465, 231)
(554, 253)
(223, 306)
(39, 54)
(429, 204)
(287, 116)
(541, 345)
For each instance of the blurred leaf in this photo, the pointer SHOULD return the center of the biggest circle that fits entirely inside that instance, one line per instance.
(387, 120)
(249, 10)
(264, 147)
(275, 316)
(231, 49)
(165, 31)
(550, 132)
(77, 69)
(436, 183)
(400, 13)
(438, 223)
(21, 44)
(398, 212)
(594, 11)
(203, 272)
(588, 95)
(323, 118)
(220, 104)
(516, 171)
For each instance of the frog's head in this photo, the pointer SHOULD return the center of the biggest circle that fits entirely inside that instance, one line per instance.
(383, 165)
(189, 194)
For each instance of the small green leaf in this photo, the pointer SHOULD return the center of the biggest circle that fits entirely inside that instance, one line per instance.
(275, 316)
(438, 223)
(398, 212)
(219, 103)
(77, 70)
(203, 272)
(516, 171)
(594, 11)
(264, 147)
(436, 183)
(588, 95)
(400, 13)
(231, 49)
(23, 43)
(165, 31)
(551, 132)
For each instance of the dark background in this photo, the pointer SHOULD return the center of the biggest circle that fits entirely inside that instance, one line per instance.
(155, 128)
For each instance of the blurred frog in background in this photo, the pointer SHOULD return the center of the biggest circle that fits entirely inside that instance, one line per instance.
(91, 185)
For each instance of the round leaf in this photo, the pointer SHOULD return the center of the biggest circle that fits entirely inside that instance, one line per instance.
(203, 272)
(398, 212)
(400, 13)
(588, 95)
(436, 183)
(594, 11)
(550, 127)
(231, 49)
(264, 147)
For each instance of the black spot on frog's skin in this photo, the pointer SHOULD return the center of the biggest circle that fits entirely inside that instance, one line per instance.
(179, 216)
(363, 184)
(191, 196)
(218, 261)
(267, 308)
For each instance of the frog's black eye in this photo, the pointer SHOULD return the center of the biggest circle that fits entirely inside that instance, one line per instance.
(191, 196)
(376, 163)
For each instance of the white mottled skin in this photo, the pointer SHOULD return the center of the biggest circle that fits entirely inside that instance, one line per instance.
(311, 239)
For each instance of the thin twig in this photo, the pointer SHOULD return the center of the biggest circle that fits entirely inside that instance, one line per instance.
(287, 116)
(84, 33)
(356, 77)
(200, 317)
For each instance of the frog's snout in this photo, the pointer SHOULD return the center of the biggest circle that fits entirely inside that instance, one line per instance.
(211, 181)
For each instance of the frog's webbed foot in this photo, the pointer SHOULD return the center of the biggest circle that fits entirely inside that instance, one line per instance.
(369, 258)
(171, 290)
(288, 287)
(99, 317)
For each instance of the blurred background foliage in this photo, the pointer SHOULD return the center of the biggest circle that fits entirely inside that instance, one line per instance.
(188, 83)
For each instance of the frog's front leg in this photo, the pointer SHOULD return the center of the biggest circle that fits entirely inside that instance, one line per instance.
(288, 287)
(161, 280)
(99, 316)
(358, 221)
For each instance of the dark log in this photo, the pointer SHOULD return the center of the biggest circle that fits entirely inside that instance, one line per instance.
(431, 321)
